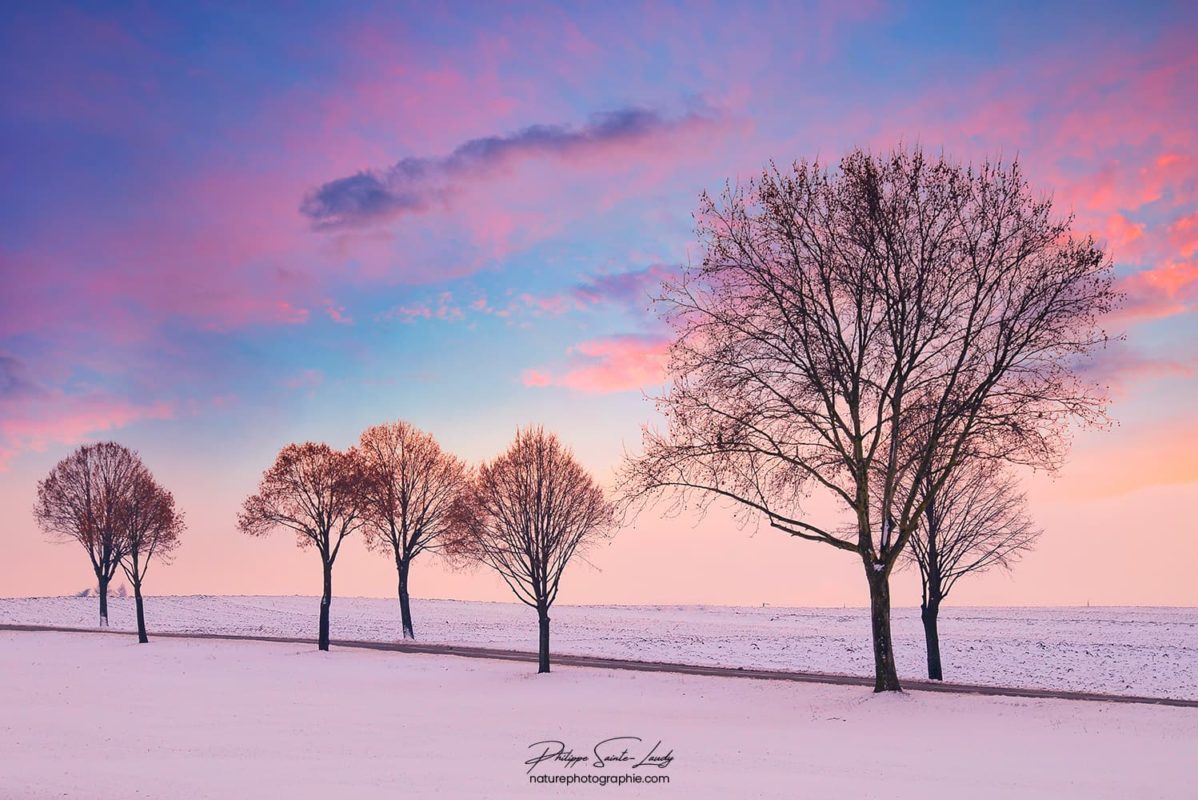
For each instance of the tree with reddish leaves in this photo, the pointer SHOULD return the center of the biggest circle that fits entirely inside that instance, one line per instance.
(317, 493)
(527, 513)
(152, 527)
(857, 333)
(412, 485)
(83, 499)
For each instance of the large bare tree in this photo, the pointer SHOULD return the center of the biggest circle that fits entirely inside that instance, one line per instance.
(412, 485)
(316, 492)
(83, 499)
(152, 527)
(975, 521)
(527, 514)
(846, 327)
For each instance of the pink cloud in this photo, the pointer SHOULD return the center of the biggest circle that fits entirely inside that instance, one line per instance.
(546, 304)
(611, 364)
(535, 377)
(1121, 233)
(290, 314)
(57, 418)
(337, 313)
(443, 308)
(1183, 235)
(1171, 288)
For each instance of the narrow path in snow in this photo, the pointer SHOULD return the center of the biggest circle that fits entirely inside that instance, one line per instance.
(647, 666)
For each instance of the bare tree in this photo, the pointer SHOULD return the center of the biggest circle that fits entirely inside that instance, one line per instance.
(976, 520)
(845, 327)
(527, 514)
(82, 500)
(317, 492)
(412, 485)
(152, 527)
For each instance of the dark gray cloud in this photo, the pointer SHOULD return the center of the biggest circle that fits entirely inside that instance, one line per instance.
(414, 184)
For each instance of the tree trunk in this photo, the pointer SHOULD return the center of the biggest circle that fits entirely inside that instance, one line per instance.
(103, 601)
(325, 601)
(929, 612)
(141, 615)
(885, 675)
(405, 606)
(544, 649)
(933, 592)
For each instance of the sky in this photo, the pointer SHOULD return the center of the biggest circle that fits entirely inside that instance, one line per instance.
(227, 228)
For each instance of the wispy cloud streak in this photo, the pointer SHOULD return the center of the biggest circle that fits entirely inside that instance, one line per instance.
(414, 184)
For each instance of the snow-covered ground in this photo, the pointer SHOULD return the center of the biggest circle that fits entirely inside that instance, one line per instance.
(103, 717)
(1144, 651)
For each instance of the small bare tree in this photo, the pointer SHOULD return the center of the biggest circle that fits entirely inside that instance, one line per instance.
(528, 512)
(152, 527)
(82, 500)
(854, 333)
(976, 520)
(316, 492)
(412, 485)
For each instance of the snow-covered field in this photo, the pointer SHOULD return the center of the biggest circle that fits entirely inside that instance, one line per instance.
(1144, 651)
(102, 717)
